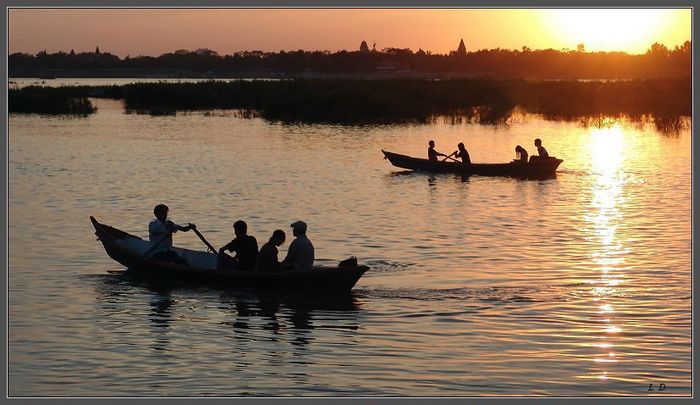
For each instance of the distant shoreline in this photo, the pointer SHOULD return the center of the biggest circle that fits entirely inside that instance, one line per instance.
(48, 74)
(543, 64)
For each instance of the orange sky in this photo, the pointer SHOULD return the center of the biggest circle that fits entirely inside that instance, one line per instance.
(157, 31)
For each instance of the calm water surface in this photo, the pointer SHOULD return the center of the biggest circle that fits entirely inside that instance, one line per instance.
(573, 286)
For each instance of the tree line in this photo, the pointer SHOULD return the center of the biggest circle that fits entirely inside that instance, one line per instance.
(659, 61)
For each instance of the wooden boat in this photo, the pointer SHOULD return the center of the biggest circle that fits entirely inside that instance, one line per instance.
(535, 168)
(128, 250)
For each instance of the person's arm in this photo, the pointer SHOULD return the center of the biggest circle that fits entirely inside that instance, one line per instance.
(275, 259)
(185, 228)
(229, 246)
(291, 252)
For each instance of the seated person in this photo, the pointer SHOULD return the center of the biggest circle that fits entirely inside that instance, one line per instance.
(462, 153)
(301, 251)
(520, 154)
(541, 151)
(432, 153)
(245, 246)
(267, 258)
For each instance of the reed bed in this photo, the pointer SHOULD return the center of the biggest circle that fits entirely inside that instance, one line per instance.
(385, 101)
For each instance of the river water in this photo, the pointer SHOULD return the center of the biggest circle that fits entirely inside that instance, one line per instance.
(573, 286)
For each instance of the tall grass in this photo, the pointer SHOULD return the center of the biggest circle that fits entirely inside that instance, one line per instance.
(343, 101)
(328, 101)
(45, 100)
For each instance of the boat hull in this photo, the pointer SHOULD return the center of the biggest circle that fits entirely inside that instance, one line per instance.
(126, 249)
(536, 168)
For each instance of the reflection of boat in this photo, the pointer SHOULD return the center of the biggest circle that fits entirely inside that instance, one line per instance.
(536, 168)
(200, 267)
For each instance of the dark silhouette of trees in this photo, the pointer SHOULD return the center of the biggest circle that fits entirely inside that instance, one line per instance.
(658, 61)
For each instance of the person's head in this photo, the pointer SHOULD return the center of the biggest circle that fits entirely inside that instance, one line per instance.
(460, 146)
(278, 237)
(518, 148)
(298, 228)
(240, 228)
(161, 212)
(431, 144)
(538, 142)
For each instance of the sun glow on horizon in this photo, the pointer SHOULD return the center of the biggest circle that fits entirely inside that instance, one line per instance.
(625, 30)
(123, 31)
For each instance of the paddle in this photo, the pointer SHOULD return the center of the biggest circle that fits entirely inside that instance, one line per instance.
(448, 157)
(140, 259)
(203, 239)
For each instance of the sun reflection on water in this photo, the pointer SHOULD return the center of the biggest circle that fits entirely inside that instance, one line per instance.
(607, 157)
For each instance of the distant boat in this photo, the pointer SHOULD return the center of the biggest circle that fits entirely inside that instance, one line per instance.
(536, 168)
(128, 250)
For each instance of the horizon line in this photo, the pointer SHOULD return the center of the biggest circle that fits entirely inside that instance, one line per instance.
(203, 50)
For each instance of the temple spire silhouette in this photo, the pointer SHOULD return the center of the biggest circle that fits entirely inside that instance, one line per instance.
(363, 47)
(461, 49)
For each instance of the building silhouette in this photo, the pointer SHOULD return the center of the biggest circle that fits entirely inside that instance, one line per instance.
(461, 49)
(363, 47)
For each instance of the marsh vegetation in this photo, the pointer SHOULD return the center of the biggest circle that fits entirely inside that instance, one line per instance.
(343, 101)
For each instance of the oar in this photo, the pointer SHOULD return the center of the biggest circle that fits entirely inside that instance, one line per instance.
(206, 242)
(447, 157)
(140, 259)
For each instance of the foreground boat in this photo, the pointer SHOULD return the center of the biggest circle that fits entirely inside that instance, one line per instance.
(536, 168)
(128, 250)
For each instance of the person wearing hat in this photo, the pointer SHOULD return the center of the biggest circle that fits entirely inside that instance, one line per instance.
(301, 251)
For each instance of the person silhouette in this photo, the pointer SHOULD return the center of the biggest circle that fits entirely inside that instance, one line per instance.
(520, 154)
(245, 246)
(301, 251)
(541, 151)
(432, 153)
(160, 232)
(462, 153)
(267, 258)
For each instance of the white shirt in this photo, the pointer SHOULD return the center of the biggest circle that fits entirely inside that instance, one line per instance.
(301, 253)
(157, 230)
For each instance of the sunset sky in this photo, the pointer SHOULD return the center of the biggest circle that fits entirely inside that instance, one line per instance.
(154, 32)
